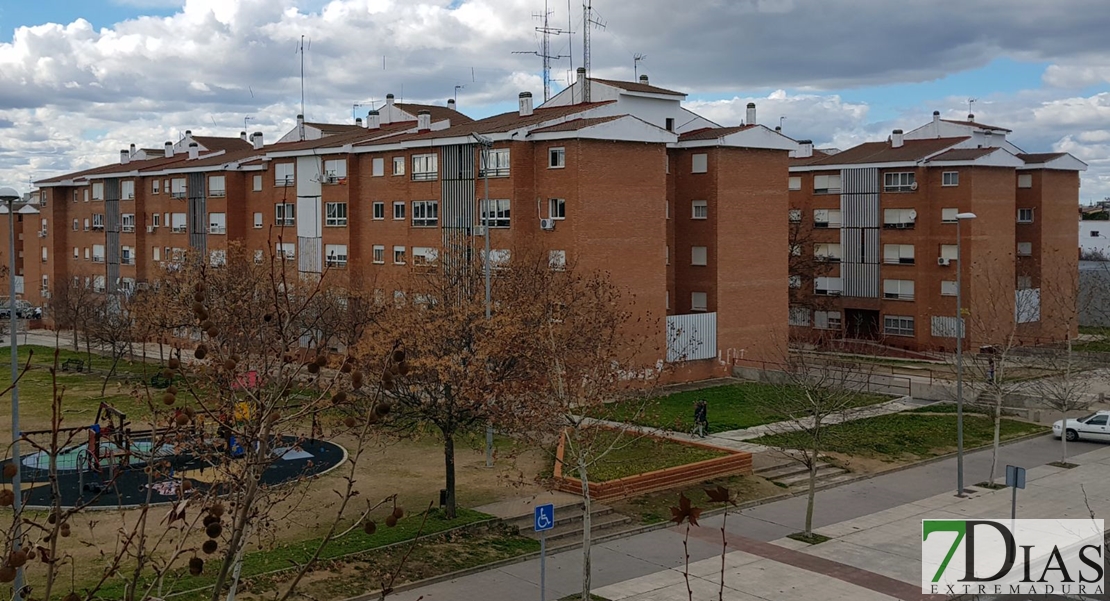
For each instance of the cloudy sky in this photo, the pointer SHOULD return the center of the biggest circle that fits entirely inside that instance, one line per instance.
(81, 79)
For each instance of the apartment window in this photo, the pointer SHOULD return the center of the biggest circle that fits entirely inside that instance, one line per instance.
(86, 253)
(557, 208)
(556, 158)
(284, 174)
(285, 214)
(156, 253)
(699, 163)
(155, 219)
(379, 254)
(826, 286)
(335, 214)
(377, 167)
(898, 289)
(217, 223)
(259, 255)
(795, 215)
(950, 178)
(399, 211)
(699, 301)
(127, 223)
(258, 183)
(424, 167)
(398, 165)
(898, 254)
(335, 170)
(127, 190)
(1025, 180)
(258, 221)
(948, 288)
(699, 209)
(153, 187)
(948, 215)
(44, 253)
(899, 181)
(126, 256)
(943, 326)
(826, 218)
(217, 258)
(76, 225)
(98, 283)
(827, 252)
(949, 251)
(335, 256)
(698, 255)
(98, 191)
(217, 186)
(76, 253)
(495, 213)
(795, 250)
(86, 224)
(398, 255)
(667, 253)
(798, 316)
(669, 123)
(177, 187)
(794, 282)
(897, 325)
(423, 256)
(826, 184)
(98, 253)
(379, 210)
(1024, 249)
(557, 260)
(177, 223)
(827, 320)
(425, 213)
(495, 163)
(794, 182)
(901, 219)
(1024, 282)
(97, 221)
(1025, 216)
(286, 250)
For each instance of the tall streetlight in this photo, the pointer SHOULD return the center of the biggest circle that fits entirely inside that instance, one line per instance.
(485, 213)
(8, 196)
(960, 357)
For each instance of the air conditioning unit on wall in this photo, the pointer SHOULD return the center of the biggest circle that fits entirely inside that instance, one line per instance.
(547, 224)
(944, 261)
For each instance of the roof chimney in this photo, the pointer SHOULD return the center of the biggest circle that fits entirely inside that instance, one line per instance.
(188, 133)
(124, 157)
(389, 99)
(936, 116)
(805, 149)
(644, 80)
(525, 104)
(300, 127)
(243, 136)
(373, 120)
(583, 92)
(194, 150)
(169, 149)
(358, 121)
(132, 150)
(424, 120)
(971, 117)
(778, 129)
(256, 140)
(750, 118)
(451, 104)
(896, 140)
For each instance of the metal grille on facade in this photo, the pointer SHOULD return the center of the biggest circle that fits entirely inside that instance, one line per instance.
(197, 214)
(859, 234)
(692, 336)
(111, 231)
(457, 204)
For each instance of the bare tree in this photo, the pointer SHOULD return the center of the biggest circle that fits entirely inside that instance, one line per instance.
(69, 306)
(112, 328)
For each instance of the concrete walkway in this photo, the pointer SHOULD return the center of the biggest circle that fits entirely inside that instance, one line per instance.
(763, 565)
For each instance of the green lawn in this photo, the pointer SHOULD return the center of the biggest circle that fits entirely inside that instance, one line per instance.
(655, 507)
(638, 455)
(949, 408)
(903, 436)
(731, 407)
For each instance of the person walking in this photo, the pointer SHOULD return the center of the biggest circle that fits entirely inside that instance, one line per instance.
(701, 418)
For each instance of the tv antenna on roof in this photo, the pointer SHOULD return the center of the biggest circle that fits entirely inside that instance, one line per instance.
(970, 101)
(245, 119)
(546, 32)
(636, 58)
(457, 88)
(588, 20)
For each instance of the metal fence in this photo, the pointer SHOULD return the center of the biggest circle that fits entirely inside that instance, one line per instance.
(692, 336)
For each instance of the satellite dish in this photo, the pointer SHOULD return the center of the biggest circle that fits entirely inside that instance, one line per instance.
(913, 186)
(913, 214)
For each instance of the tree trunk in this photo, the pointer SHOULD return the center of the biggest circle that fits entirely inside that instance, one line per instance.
(449, 467)
(112, 370)
(812, 496)
(76, 340)
(997, 429)
(587, 527)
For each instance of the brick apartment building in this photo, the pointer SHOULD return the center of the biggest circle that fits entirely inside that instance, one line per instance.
(607, 175)
(873, 231)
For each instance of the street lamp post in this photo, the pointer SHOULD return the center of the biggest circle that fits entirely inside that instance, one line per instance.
(485, 217)
(960, 357)
(8, 196)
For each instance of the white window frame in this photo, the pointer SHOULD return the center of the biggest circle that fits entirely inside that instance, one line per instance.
(948, 288)
(827, 184)
(177, 223)
(398, 165)
(898, 254)
(949, 251)
(285, 175)
(399, 257)
(425, 213)
(379, 254)
(217, 186)
(557, 260)
(217, 257)
(950, 179)
(335, 214)
(258, 221)
(399, 210)
(1024, 249)
(827, 320)
(556, 157)
(379, 209)
(904, 221)
(285, 214)
(98, 221)
(699, 255)
(97, 191)
(154, 188)
(335, 256)
(795, 215)
(286, 250)
(177, 187)
(1025, 180)
(898, 289)
(826, 218)
(499, 163)
(948, 214)
(794, 182)
(699, 209)
(217, 223)
(828, 252)
(496, 213)
(699, 302)
(826, 285)
(798, 317)
(257, 185)
(1024, 282)
(425, 167)
(424, 256)
(1025, 215)
(97, 253)
(896, 325)
(557, 208)
(899, 181)
(127, 190)
(699, 163)
(127, 223)
(126, 255)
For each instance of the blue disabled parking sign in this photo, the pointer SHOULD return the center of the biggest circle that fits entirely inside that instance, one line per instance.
(544, 517)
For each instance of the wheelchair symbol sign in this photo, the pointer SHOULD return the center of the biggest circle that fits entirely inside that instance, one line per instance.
(544, 517)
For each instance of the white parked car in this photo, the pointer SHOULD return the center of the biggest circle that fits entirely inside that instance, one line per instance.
(1093, 427)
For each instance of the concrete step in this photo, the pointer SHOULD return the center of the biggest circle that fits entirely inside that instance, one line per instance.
(823, 473)
(564, 514)
(572, 532)
(845, 477)
(781, 471)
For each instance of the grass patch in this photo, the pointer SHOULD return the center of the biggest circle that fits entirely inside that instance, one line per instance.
(950, 408)
(809, 539)
(638, 455)
(654, 508)
(1093, 346)
(989, 486)
(731, 407)
(1064, 465)
(905, 436)
(281, 557)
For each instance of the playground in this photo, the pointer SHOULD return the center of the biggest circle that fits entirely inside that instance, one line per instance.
(117, 466)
